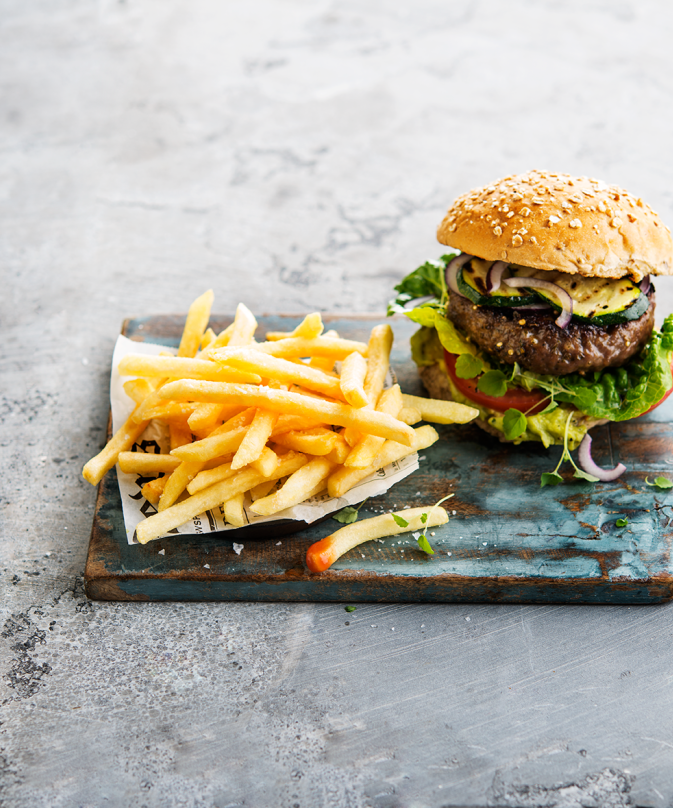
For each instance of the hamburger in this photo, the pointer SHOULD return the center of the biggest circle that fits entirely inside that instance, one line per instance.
(542, 314)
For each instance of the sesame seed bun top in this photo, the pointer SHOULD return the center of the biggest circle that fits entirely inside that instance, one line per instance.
(558, 222)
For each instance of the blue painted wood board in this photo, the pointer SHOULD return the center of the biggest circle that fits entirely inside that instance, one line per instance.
(509, 540)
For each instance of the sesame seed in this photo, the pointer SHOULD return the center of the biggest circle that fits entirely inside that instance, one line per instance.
(452, 228)
(575, 223)
(510, 352)
(587, 193)
(533, 240)
(503, 254)
(498, 344)
(554, 219)
(510, 214)
(537, 201)
(525, 211)
(602, 206)
(517, 197)
(522, 322)
(505, 208)
(517, 241)
(497, 230)
(616, 222)
(535, 340)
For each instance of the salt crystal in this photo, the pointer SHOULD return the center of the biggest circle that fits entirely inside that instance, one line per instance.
(484, 543)
(238, 548)
(416, 535)
(468, 619)
(162, 552)
(278, 543)
(206, 566)
(449, 553)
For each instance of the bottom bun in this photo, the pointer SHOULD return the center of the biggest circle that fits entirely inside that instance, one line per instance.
(436, 382)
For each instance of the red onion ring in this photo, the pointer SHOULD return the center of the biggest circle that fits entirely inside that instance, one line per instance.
(645, 284)
(494, 275)
(586, 462)
(452, 272)
(564, 298)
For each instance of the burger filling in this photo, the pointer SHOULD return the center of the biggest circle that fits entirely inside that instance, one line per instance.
(543, 355)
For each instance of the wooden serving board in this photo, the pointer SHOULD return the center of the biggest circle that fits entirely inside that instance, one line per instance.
(507, 541)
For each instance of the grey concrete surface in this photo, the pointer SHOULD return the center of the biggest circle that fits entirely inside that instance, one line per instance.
(293, 155)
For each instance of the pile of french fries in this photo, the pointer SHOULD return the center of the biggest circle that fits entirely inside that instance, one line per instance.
(272, 421)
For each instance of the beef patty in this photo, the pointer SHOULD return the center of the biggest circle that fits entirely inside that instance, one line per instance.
(533, 339)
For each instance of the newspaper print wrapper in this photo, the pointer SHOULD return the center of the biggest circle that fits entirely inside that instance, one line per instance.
(155, 439)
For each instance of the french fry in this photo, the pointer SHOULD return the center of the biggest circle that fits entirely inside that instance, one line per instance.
(353, 372)
(289, 423)
(153, 490)
(438, 411)
(311, 326)
(220, 340)
(262, 489)
(179, 367)
(180, 434)
(208, 337)
(267, 462)
(409, 415)
(205, 418)
(121, 441)
(340, 451)
(138, 389)
(177, 483)
(233, 510)
(256, 363)
(146, 463)
(325, 363)
(364, 419)
(321, 555)
(212, 446)
(255, 438)
(344, 478)
(319, 346)
(196, 324)
(160, 523)
(378, 360)
(318, 441)
(170, 411)
(244, 327)
(296, 488)
(209, 477)
(365, 450)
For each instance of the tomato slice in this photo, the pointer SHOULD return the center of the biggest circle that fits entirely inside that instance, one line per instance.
(661, 400)
(530, 402)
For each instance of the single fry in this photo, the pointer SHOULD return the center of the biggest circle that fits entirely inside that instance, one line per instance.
(267, 462)
(138, 389)
(289, 423)
(121, 441)
(255, 363)
(212, 497)
(437, 411)
(196, 324)
(153, 490)
(178, 367)
(262, 489)
(321, 555)
(177, 483)
(319, 346)
(296, 488)
(325, 363)
(344, 478)
(212, 446)
(208, 337)
(365, 450)
(340, 451)
(146, 463)
(244, 327)
(180, 434)
(353, 372)
(205, 418)
(170, 411)
(310, 327)
(209, 477)
(409, 415)
(255, 439)
(364, 419)
(318, 441)
(233, 510)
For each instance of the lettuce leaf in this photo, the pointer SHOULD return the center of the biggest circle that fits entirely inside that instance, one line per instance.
(428, 280)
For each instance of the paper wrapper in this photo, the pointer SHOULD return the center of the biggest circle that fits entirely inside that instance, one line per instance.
(155, 439)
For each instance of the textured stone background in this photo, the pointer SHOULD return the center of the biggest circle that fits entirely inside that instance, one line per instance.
(296, 155)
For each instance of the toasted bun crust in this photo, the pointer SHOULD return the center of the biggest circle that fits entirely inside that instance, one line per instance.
(555, 221)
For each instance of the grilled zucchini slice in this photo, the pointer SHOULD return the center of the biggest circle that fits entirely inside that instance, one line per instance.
(472, 283)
